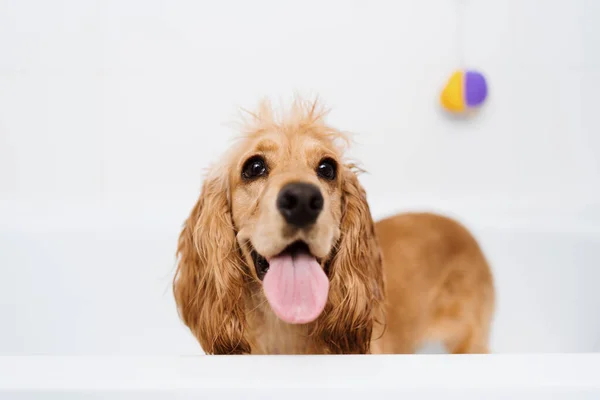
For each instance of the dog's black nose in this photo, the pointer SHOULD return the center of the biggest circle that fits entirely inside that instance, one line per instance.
(300, 203)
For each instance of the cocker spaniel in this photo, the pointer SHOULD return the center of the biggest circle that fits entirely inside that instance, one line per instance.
(280, 255)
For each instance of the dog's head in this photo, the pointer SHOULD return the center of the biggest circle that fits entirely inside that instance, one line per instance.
(285, 214)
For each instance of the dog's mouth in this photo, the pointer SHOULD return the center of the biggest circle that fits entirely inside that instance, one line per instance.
(294, 283)
(261, 264)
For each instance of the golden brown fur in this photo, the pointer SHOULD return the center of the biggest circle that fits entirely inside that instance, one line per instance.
(438, 283)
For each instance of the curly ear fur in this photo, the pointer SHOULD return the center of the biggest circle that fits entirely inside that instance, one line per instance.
(356, 277)
(209, 282)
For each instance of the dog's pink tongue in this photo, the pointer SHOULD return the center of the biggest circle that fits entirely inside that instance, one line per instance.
(296, 287)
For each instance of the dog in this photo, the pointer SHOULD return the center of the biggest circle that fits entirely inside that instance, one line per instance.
(280, 255)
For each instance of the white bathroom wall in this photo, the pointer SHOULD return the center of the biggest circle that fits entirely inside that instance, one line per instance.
(110, 111)
(105, 101)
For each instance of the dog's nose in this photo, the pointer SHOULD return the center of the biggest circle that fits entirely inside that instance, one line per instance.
(300, 203)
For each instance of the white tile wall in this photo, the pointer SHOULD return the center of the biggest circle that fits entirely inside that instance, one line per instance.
(101, 100)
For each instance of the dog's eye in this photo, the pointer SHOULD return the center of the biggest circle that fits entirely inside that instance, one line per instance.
(254, 168)
(327, 169)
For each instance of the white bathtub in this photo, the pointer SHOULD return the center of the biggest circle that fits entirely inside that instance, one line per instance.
(493, 377)
(93, 282)
(96, 281)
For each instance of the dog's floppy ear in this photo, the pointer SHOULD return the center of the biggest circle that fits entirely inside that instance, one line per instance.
(209, 282)
(356, 277)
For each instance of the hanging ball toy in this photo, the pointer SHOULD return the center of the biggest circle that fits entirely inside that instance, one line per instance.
(465, 90)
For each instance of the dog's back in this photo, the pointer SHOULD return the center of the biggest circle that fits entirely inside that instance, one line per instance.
(439, 285)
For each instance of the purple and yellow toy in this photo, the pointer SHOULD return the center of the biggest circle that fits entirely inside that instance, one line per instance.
(465, 90)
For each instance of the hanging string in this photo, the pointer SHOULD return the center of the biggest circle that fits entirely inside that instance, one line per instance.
(460, 10)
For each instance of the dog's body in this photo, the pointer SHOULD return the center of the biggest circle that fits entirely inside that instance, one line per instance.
(280, 255)
(438, 288)
(439, 285)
